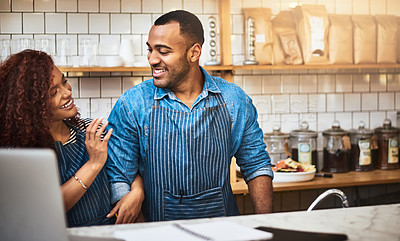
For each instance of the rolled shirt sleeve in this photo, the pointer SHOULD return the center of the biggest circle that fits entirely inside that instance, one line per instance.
(251, 157)
(123, 150)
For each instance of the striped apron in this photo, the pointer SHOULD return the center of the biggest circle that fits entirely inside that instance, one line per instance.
(187, 167)
(95, 204)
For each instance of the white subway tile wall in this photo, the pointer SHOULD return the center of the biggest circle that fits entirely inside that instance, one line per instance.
(386, 101)
(11, 23)
(352, 102)
(271, 84)
(33, 23)
(43, 5)
(83, 105)
(110, 6)
(109, 44)
(282, 97)
(99, 23)
(397, 101)
(334, 102)
(152, 6)
(344, 83)
(88, 6)
(378, 82)
(376, 119)
(100, 107)
(369, 101)
(298, 103)
(361, 82)
(120, 23)
(22, 5)
(252, 84)
(67, 5)
(307, 83)
(56, 23)
(290, 84)
(78, 23)
(110, 87)
(5, 6)
(130, 6)
(90, 87)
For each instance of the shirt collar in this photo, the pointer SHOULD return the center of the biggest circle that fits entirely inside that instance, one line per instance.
(209, 86)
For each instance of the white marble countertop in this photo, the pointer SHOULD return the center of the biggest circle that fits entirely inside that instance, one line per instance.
(358, 223)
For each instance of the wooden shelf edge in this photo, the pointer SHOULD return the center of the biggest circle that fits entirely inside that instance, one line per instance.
(103, 69)
(325, 66)
(237, 67)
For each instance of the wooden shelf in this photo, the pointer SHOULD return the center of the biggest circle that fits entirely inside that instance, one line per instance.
(104, 69)
(237, 67)
(325, 66)
(132, 69)
(349, 179)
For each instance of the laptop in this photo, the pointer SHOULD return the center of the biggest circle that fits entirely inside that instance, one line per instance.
(31, 206)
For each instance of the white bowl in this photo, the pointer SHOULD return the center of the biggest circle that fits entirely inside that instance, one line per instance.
(113, 61)
(280, 177)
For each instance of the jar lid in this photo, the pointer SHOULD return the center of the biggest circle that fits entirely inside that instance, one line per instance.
(276, 134)
(335, 130)
(361, 131)
(386, 128)
(303, 131)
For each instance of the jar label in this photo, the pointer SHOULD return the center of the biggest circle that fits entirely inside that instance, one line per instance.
(365, 152)
(304, 153)
(393, 155)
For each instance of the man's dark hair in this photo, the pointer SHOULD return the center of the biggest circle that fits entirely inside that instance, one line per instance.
(190, 25)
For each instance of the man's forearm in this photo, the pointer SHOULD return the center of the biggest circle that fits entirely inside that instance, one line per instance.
(261, 194)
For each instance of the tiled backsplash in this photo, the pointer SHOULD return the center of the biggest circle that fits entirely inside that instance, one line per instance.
(282, 97)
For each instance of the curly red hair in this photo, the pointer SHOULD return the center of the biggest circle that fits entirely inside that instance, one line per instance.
(25, 101)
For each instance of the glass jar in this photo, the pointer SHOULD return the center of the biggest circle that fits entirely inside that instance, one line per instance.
(336, 149)
(276, 142)
(303, 145)
(388, 146)
(362, 148)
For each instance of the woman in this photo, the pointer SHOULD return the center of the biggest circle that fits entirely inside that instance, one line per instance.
(38, 111)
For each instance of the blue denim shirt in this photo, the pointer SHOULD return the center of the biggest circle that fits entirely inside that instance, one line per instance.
(130, 120)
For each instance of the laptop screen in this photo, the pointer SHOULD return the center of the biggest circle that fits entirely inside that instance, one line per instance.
(30, 201)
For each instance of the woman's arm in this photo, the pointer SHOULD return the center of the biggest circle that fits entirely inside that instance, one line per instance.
(76, 186)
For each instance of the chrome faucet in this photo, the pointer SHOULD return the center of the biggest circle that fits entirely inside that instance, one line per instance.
(327, 193)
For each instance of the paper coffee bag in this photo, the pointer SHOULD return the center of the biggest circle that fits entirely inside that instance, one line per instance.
(340, 39)
(312, 26)
(263, 33)
(398, 39)
(286, 46)
(386, 27)
(364, 39)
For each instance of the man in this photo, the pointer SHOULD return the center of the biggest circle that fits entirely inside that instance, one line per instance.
(180, 130)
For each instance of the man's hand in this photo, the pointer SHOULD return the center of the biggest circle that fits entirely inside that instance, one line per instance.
(261, 194)
(128, 209)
